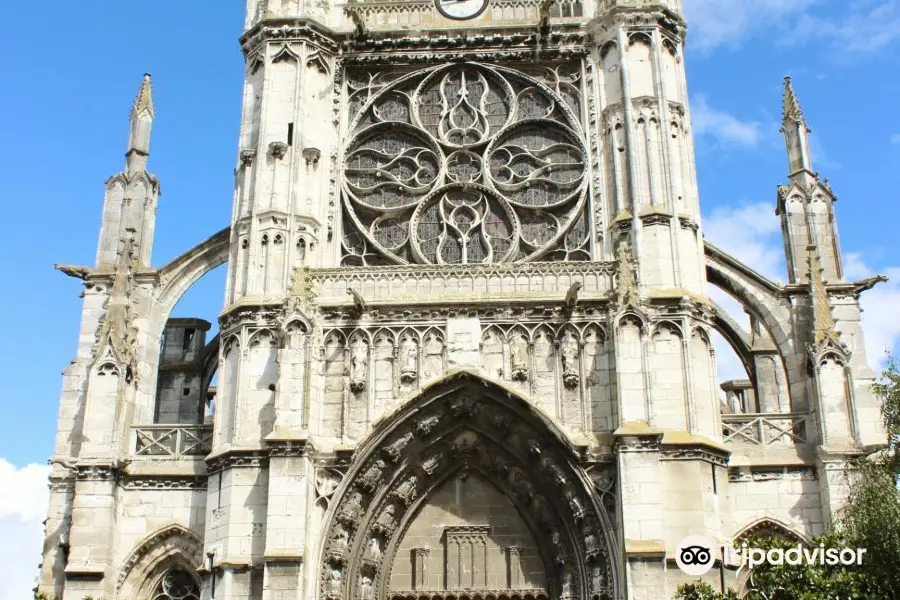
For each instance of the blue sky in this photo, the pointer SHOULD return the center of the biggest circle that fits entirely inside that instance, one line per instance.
(64, 119)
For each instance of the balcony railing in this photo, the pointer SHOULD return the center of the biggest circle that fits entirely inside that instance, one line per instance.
(173, 441)
(766, 429)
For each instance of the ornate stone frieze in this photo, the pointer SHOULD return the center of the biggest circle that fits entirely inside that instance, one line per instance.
(236, 459)
(163, 482)
(248, 316)
(98, 472)
(643, 14)
(285, 30)
(289, 448)
(718, 458)
(774, 473)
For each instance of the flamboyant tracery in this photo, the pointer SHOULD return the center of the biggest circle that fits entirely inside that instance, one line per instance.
(467, 163)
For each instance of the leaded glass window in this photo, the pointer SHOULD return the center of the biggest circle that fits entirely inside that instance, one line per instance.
(177, 584)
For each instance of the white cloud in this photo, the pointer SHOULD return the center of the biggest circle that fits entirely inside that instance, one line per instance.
(722, 126)
(752, 234)
(23, 507)
(881, 325)
(714, 23)
(856, 27)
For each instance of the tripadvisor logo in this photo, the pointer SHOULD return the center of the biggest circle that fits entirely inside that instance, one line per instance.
(696, 554)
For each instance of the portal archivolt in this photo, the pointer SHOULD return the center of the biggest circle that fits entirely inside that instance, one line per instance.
(467, 492)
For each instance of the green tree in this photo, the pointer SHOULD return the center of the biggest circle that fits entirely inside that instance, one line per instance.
(870, 520)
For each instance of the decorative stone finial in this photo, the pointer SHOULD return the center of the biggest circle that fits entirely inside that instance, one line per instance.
(144, 100)
(791, 111)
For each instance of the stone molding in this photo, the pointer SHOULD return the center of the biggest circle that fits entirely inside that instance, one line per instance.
(236, 458)
(462, 424)
(772, 473)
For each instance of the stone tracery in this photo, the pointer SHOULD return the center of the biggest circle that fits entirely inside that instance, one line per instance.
(465, 164)
(461, 429)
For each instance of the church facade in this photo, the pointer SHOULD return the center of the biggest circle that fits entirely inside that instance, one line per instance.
(465, 351)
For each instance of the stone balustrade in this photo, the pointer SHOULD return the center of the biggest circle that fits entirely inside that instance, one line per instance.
(173, 441)
(766, 429)
(436, 284)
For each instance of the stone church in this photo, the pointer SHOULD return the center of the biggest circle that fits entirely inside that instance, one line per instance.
(465, 347)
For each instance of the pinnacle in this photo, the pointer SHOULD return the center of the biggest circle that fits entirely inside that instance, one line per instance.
(791, 105)
(144, 100)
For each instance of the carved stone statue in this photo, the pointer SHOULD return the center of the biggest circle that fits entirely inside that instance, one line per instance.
(395, 449)
(386, 521)
(351, 511)
(518, 353)
(371, 478)
(409, 356)
(359, 365)
(568, 585)
(627, 280)
(366, 589)
(334, 583)
(373, 551)
(598, 581)
(340, 543)
(568, 349)
(407, 491)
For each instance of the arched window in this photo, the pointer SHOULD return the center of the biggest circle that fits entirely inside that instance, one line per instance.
(177, 584)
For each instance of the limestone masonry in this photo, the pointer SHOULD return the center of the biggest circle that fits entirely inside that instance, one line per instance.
(465, 349)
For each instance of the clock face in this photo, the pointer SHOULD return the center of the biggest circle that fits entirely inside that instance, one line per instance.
(461, 9)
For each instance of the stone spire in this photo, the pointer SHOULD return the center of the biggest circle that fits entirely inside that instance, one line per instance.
(796, 133)
(142, 115)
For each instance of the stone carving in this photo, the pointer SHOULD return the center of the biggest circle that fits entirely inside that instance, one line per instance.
(359, 365)
(591, 544)
(350, 511)
(117, 332)
(501, 465)
(575, 504)
(386, 521)
(326, 483)
(340, 543)
(395, 449)
(626, 280)
(372, 477)
(278, 149)
(426, 425)
(366, 588)
(407, 491)
(430, 464)
(518, 353)
(303, 289)
(374, 530)
(373, 551)
(549, 465)
(568, 350)
(409, 356)
(334, 583)
(462, 407)
(463, 194)
(567, 588)
(598, 581)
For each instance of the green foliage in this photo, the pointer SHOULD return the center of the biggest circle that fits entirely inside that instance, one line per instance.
(871, 520)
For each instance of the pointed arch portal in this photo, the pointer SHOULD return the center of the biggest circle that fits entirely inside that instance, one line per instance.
(467, 492)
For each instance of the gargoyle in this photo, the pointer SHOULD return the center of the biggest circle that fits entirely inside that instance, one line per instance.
(359, 305)
(73, 271)
(572, 297)
(358, 22)
(864, 285)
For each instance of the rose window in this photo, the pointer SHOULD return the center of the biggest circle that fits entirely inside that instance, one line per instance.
(177, 585)
(465, 163)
